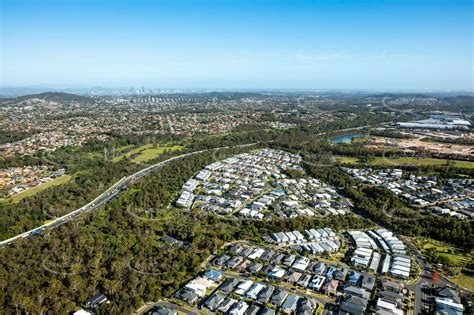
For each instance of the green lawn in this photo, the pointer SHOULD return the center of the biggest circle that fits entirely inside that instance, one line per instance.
(464, 281)
(381, 161)
(151, 153)
(148, 152)
(32, 191)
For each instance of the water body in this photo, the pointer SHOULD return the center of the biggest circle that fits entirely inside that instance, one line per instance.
(346, 138)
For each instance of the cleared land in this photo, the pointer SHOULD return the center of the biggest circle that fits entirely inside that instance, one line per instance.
(415, 145)
(148, 152)
(34, 190)
(381, 161)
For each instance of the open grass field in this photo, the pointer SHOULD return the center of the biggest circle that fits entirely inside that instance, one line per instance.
(464, 281)
(148, 152)
(33, 191)
(381, 161)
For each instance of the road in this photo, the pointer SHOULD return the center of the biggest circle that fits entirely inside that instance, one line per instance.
(166, 304)
(107, 195)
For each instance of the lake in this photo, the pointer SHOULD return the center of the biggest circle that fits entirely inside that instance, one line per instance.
(346, 138)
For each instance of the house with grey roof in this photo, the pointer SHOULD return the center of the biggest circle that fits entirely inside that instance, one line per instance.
(278, 297)
(306, 306)
(229, 285)
(213, 302)
(353, 305)
(356, 291)
(267, 311)
(290, 304)
(265, 294)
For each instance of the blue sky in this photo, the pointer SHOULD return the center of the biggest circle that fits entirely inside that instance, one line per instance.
(238, 44)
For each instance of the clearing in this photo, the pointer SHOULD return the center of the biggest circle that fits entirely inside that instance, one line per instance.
(34, 190)
(148, 152)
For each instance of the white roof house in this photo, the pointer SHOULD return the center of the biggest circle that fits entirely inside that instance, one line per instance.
(243, 287)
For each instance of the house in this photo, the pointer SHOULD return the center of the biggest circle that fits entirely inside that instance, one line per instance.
(226, 305)
(247, 251)
(276, 272)
(306, 306)
(234, 261)
(368, 282)
(243, 286)
(253, 292)
(330, 272)
(267, 311)
(301, 263)
(236, 248)
(214, 301)
(387, 306)
(341, 274)
(353, 305)
(319, 268)
(257, 252)
(290, 304)
(266, 294)
(229, 285)
(289, 259)
(187, 296)
(355, 291)
(243, 266)
(162, 310)
(171, 240)
(186, 199)
(353, 277)
(252, 310)
(198, 286)
(330, 287)
(265, 270)
(392, 297)
(317, 283)
(95, 300)
(278, 297)
(277, 259)
(254, 267)
(304, 280)
(220, 260)
(213, 275)
(267, 255)
(292, 276)
(238, 308)
(392, 286)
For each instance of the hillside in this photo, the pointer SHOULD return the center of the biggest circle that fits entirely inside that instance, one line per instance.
(57, 97)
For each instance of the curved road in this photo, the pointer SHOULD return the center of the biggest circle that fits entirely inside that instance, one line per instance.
(107, 195)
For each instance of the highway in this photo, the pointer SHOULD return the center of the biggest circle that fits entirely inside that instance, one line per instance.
(107, 195)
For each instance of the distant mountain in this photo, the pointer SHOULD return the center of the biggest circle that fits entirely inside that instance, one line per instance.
(57, 97)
